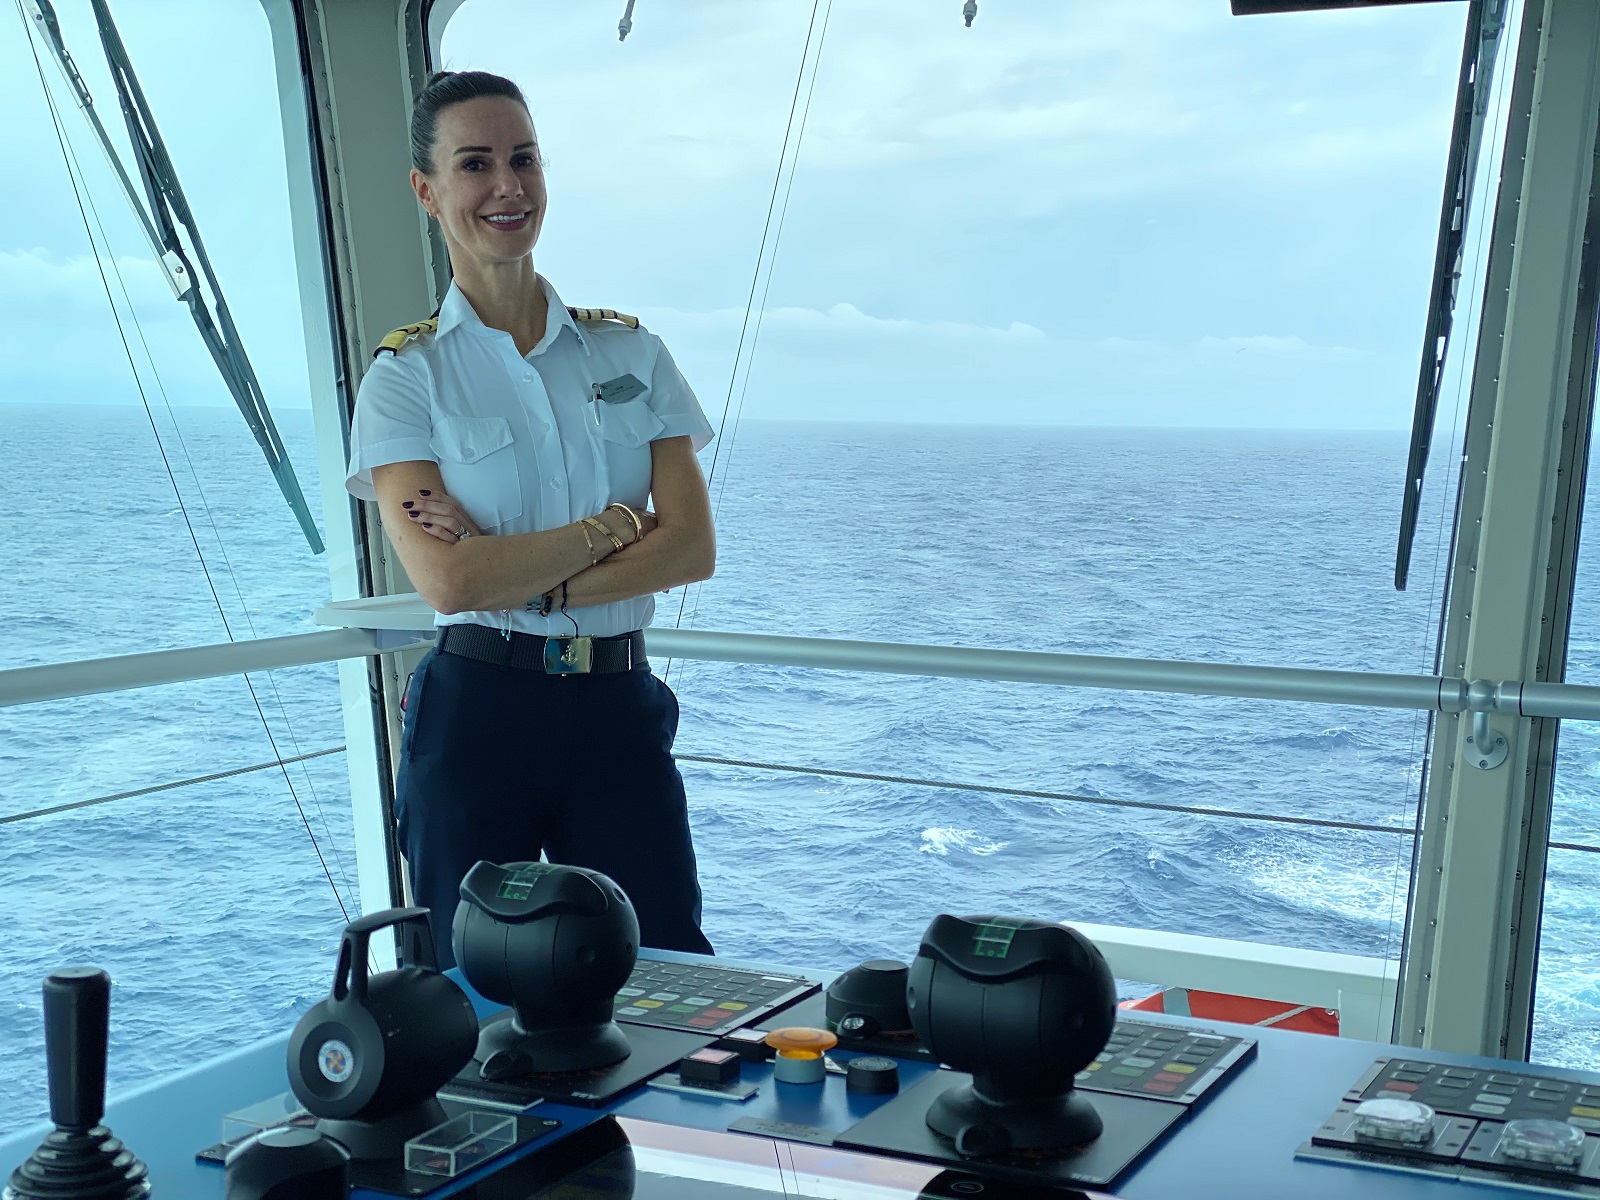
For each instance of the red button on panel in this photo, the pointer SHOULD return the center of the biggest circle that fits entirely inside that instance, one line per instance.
(1154, 1086)
(701, 1022)
(1399, 1085)
(1170, 1077)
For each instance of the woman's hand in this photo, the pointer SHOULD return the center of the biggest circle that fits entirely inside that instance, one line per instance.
(440, 515)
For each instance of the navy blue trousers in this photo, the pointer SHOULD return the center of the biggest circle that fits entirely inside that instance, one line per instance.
(500, 763)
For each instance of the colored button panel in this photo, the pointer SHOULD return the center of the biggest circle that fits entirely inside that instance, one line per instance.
(1582, 1110)
(1180, 1068)
(733, 1006)
(649, 1004)
(665, 997)
(1133, 1071)
(1171, 1077)
(1399, 1085)
(632, 1012)
(1139, 1062)
(1156, 1086)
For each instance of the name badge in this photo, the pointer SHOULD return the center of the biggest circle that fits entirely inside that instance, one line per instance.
(615, 391)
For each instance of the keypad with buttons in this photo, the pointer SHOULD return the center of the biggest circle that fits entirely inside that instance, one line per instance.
(703, 999)
(1501, 1095)
(1163, 1062)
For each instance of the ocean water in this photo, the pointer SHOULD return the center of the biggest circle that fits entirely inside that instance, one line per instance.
(216, 906)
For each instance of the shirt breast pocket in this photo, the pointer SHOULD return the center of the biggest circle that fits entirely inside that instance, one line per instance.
(626, 430)
(631, 423)
(478, 462)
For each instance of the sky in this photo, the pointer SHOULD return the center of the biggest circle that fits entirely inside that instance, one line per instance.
(1074, 212)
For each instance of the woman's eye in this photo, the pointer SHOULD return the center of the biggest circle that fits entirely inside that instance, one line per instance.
(522, 160)
(472, 164)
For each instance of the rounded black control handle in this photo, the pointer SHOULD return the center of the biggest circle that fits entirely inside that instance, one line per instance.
(77, 1015)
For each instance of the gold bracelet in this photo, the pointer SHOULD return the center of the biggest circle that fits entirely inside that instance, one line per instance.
(594, 523)
(589, 542)
(638, 525)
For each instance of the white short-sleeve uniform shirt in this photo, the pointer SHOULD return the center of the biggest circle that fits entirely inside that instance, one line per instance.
(519, 441)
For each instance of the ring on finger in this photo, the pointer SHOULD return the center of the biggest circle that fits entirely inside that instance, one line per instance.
(463, 532)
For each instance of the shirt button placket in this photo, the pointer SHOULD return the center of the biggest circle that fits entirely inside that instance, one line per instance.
(547, 448)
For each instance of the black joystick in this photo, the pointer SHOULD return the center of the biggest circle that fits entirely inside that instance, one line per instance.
(870, 1001)
(555, 943)
(1022, 1006)
(288, 1162)
(367, 1060)
(80, 1158)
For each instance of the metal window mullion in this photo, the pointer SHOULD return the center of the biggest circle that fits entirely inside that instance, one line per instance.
(1470, 950)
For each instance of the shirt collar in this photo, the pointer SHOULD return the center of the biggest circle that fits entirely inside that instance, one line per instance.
(457, 310)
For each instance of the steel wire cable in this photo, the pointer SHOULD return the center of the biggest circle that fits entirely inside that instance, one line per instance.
(165, 787)
(831, 773)
(755, 281)
(216, 533)
(78, 194)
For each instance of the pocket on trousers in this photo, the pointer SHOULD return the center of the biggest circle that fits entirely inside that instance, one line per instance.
(478, 462)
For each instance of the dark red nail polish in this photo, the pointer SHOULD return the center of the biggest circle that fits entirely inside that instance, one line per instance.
(413, 514)
(424, 492)
(405, 504)
(427, 524)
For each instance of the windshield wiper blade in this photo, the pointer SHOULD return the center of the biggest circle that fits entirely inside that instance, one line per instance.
(1485, 23)
(161, 212)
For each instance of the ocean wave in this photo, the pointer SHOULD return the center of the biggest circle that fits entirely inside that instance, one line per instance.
(942, 841)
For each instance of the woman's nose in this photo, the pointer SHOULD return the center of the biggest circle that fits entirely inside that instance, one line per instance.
(506, 182)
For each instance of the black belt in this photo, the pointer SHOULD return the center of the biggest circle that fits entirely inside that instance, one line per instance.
(551, 655)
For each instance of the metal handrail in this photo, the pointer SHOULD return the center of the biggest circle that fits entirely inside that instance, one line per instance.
(1365, 689)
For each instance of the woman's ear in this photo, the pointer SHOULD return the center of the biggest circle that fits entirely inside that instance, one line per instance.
(419, 185)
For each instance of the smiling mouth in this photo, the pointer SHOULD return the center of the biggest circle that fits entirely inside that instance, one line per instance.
(508, 220)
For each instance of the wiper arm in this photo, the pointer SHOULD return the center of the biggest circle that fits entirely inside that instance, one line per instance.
(1485, 23)
(161, 211)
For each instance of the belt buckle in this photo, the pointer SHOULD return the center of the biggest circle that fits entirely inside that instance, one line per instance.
(568, 655)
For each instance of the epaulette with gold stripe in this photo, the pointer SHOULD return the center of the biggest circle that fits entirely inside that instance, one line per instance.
(399, 339)
(603, 314)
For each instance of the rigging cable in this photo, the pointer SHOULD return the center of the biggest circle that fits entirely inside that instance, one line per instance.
(216, 532)
(755, 280)
(72, 175)
(165, 787)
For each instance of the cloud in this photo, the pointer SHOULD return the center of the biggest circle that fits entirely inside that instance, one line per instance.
(842, 363)
(65, 344)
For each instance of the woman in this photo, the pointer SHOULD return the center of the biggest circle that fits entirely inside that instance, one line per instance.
(535, 723)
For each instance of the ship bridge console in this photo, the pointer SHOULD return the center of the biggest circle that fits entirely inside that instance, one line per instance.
(727, 1077)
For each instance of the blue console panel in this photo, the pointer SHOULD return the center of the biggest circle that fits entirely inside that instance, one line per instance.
(1239, 1144)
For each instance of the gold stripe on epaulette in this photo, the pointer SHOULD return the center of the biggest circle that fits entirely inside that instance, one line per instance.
(603, 314)
(397, 340)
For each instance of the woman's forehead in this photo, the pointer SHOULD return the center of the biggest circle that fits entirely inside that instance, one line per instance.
(497, 122)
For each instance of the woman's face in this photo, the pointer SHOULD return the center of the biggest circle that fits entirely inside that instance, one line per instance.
(487, 187)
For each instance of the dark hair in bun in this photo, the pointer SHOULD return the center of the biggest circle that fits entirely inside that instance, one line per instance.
(443, 89)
